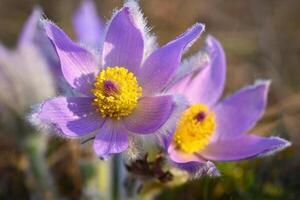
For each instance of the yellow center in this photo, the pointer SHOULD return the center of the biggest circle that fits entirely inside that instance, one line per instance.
(116, 92)
(194, 129)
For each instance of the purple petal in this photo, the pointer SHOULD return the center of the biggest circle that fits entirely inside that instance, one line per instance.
(73, 116)
(243, 147)
(198, 169)
(78, 65)
(161, 65)
(88, 26)
(149, 39)
(188, 66)
(111, 138)
(166, 131)
(240, 111)
(191, 167)
(150, 114)
(32, 34)
(181, 157)
(4, 52)
(208, 84)
(30, 28)
(123, 44)
(182, 86)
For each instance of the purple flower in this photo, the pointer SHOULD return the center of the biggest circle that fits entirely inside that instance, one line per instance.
(117, 91)
(24, 71)
(215, 130)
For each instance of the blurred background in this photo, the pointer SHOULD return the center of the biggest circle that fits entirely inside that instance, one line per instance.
(261, 40)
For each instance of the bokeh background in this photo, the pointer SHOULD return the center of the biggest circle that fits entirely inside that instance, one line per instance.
(261, 39)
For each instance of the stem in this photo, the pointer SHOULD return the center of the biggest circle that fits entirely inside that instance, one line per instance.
(35, 150)
(116, 178)
(206, 183)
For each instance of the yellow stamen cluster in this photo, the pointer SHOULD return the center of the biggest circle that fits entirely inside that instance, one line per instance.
(116, 92)
(194, 129)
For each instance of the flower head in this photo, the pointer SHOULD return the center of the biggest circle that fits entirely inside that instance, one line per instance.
(215, 130)
(25, 74)
(116, 92)
(118, 87)
(194, 128)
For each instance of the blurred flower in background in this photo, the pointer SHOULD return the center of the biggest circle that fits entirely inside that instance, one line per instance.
(88, 26)
(26, 78)
(25, 74)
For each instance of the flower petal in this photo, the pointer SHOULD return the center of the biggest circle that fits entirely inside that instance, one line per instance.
(111, 138)
(166, 131)
(161, 65)
(208, 85)
(30, 28)
(239, 112)
(149, 39)
(78, 65)
(32, 35)
(189, 66)
(73, 116)
(182, 157)
(242, 147)
(198, 169)
(88, 25)
(123, 44)
(4, 52)
(150, 114)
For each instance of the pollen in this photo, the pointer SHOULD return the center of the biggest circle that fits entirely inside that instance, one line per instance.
(116, 92)
(194, 129)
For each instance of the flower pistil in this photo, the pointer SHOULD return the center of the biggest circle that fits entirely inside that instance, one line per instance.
(116, 92)
(194, 129)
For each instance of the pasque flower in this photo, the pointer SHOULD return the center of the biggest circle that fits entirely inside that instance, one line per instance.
(24, 71)
(117, 90)
(211, 129)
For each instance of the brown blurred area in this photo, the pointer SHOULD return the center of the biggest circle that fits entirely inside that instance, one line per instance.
(261, 39)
